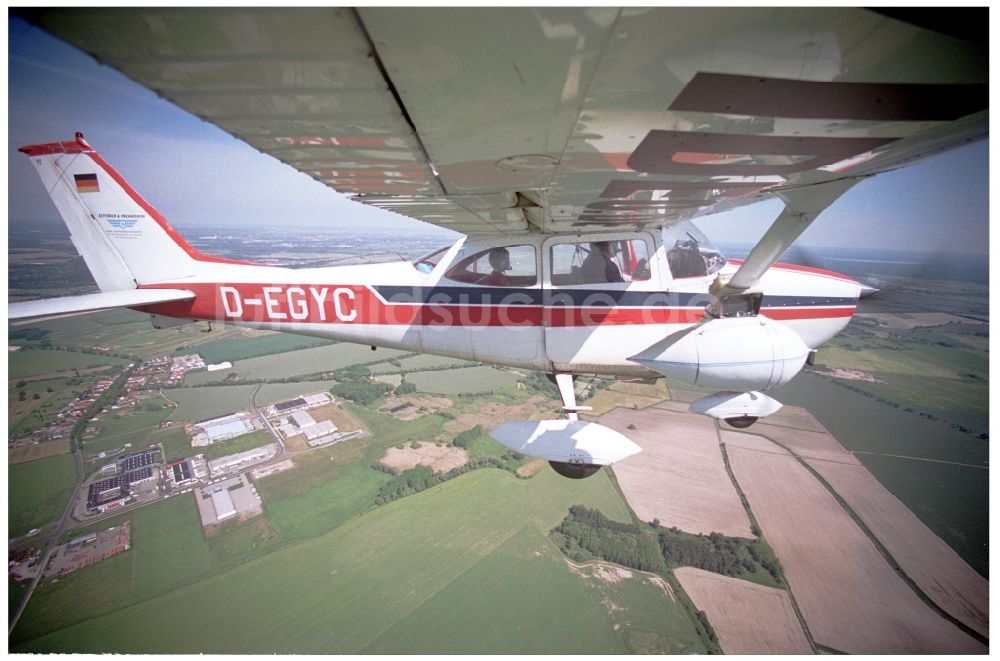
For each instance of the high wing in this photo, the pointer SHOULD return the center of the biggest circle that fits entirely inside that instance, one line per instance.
(565, 120)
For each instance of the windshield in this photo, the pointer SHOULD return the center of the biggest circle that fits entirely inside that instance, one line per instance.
(427, 263)
(689, 252)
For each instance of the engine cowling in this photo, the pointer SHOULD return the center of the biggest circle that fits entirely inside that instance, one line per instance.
(739, 353)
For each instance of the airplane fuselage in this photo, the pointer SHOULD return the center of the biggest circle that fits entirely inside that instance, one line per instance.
(548, 325)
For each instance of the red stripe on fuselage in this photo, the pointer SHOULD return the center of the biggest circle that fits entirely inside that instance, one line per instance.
(359, 304)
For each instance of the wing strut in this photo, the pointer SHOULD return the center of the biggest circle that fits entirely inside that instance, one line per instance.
(738, 294)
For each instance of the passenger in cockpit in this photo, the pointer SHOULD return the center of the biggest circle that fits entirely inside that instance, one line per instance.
(598, 265)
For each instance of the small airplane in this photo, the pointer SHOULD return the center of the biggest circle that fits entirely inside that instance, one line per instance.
(574, 187)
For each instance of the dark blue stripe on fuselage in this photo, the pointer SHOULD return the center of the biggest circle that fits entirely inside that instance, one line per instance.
(579, 298)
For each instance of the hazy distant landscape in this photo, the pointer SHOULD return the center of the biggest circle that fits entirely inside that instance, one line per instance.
(349, 556)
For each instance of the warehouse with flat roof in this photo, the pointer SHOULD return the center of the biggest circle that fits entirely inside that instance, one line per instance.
(223, 504)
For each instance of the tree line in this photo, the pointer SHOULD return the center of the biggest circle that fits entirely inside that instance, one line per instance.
(421, 477)
(587, 534)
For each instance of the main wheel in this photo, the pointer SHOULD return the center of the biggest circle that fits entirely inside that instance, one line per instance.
(574, 471)
(742, 422)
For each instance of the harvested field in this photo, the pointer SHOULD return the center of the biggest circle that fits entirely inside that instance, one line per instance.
(491, 414)
(933, 565)
(38, 451)
(795, 417)
(748, 618)
(532, 467)
(807, 444)
(679, 407)
(735, 439)
(850, 597)
(679, 477)
(441, 459)
(607, 400)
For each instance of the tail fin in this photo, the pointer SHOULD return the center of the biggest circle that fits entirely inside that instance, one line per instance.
(124, 241)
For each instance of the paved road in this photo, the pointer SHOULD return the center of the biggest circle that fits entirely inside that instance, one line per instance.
(50, 541)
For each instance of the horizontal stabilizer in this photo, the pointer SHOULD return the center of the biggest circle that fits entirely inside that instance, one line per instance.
(54, 307)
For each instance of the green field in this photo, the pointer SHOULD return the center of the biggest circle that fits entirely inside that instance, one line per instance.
(926, 369)
(197, 404)
(126, 331)
(206, 402)
(38, 491)
(419, 362)
(261, 343)
(120, 427)
(297, 363)
(272, 393)
(466, 380)
(414, 575)
(34, 413)
(36, 362)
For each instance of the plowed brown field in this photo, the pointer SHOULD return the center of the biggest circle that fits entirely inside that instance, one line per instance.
(748, 618)
(679, 477)
(850, 597)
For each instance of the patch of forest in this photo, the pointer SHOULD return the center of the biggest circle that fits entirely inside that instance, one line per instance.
(586, 534)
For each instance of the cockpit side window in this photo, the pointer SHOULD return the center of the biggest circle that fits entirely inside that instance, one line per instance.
(502, 266)
(689, 253)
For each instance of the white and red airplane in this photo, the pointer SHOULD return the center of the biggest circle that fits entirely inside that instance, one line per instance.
(573, 166)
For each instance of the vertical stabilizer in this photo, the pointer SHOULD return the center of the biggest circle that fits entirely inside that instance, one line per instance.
(124, 241)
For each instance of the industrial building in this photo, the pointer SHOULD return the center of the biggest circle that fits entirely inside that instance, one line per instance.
(223, 504)
(222, 429)
(108, 494)
(182, 471)
(140, 475)
(319, 429)
(303, 423)
(227, 463)
(304, 402)
(138, 460)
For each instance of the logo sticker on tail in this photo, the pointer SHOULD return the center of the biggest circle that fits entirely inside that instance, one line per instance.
(119, 224)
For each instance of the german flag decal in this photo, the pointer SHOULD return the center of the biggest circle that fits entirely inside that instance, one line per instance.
(86, 183)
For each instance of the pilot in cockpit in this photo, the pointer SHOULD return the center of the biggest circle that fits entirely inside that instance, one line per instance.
(500, 263)
(685, 259)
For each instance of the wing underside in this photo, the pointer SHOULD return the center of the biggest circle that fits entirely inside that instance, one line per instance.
(557, 119)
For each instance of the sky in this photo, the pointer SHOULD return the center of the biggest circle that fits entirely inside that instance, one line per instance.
(195, 174)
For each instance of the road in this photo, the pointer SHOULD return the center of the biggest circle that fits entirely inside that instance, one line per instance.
(50, 541)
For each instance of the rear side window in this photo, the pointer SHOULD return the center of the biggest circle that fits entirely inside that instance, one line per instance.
(598, 262)
(505, 266)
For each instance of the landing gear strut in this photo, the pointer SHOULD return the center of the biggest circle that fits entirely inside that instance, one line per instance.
(567, 392)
